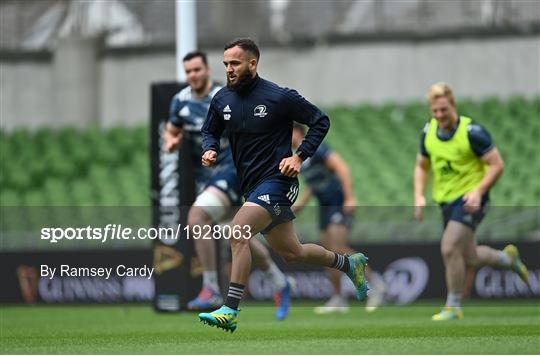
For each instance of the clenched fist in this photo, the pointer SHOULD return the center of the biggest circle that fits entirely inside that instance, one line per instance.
(209, 158)
(290, 166)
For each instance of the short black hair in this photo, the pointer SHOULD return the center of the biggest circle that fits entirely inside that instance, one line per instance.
(247, 44)
(195, 54)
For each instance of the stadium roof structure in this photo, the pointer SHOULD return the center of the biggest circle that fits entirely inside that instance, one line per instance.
(35, 24)
(110, 19)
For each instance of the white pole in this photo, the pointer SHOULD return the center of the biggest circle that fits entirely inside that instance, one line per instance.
(186, 33)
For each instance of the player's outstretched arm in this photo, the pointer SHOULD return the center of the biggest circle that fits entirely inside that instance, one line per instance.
(337, 164)
(421, 169)
(495, 163)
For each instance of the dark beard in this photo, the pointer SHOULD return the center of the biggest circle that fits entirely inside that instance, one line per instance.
(243, 81)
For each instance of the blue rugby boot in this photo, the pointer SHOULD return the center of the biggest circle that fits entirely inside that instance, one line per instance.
(283, 299)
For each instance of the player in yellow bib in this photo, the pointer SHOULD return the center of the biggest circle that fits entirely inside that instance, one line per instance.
(464, 166)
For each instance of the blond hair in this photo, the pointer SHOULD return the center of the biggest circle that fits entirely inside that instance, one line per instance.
(440, 90)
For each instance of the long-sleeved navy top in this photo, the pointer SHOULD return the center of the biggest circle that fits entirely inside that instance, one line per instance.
(259, 122)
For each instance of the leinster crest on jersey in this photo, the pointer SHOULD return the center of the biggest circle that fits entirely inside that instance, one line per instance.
(260, 111)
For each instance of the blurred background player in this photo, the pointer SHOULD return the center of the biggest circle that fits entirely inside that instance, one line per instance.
(328, 177)
(464, 165)
(219, 190)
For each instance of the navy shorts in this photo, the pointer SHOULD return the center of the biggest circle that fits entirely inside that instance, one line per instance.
(276, 196)
(455, 211)
(226, 181)
(333, 214)
(331, 211)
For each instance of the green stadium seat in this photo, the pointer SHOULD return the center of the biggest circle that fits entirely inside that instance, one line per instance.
(94, 166)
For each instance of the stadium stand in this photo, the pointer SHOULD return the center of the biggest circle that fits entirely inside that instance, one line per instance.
(94, 167)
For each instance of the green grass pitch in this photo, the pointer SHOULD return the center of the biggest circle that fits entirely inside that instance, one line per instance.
(488, 328)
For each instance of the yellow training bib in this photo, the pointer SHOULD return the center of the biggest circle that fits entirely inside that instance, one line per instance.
(456, 168)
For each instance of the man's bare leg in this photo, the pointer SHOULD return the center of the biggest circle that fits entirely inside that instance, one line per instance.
(209, 207)
(284, 241)
(334, 239)
(250, 219)
(478, 256)
(204, 248)
(456, 237)
(459, 250)
(453, 245)
(330, 239)
(281, 284)
(260, 255)
(262, 259)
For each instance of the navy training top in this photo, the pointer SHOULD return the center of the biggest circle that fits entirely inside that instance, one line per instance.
(188, 113)
(259, 122)
(323, 181)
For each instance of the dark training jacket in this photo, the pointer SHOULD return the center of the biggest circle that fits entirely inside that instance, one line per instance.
(259, 123)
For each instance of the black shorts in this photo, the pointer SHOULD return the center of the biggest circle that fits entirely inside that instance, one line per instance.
(456, 212)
